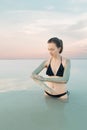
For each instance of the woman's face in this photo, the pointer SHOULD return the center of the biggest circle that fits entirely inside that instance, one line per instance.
(53, 49)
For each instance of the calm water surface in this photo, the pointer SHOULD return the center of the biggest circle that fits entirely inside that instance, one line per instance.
(23, 105)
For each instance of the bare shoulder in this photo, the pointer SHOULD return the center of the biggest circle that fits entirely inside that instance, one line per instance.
(65, 61)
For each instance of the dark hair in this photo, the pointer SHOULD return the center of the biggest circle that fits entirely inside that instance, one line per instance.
(58, 42)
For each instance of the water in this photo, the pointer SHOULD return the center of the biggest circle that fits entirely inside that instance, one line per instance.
(23, 105)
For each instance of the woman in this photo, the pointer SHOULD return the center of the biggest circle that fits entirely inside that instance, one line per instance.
(58, 70)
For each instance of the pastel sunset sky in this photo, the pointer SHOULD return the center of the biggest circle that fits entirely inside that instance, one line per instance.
(26, 26)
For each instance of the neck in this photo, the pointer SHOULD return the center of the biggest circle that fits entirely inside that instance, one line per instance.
(57, 57)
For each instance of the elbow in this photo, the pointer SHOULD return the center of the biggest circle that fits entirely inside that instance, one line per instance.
(33, 75)
(65, 80)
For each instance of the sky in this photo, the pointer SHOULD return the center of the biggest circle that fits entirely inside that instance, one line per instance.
(26, 26)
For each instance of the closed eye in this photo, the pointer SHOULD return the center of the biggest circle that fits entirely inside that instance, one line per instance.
(51, 49)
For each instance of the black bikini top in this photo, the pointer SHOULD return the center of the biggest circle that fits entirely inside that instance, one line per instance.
(60, 70)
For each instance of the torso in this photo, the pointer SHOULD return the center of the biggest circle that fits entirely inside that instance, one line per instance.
(58, 87)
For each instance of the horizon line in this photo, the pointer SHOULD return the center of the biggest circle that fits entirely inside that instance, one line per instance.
(37, 58)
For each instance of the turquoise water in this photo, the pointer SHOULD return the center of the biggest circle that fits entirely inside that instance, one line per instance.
(23, 105)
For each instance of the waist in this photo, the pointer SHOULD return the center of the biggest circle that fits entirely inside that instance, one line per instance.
(58, 87)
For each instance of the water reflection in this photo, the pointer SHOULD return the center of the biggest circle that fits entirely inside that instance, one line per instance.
(56, 112)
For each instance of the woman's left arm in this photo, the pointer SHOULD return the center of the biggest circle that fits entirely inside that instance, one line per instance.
(65, 77)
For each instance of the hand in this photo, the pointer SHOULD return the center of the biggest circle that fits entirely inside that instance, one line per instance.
(38, 77)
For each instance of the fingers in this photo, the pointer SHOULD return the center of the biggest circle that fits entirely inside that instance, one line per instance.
(38, 77)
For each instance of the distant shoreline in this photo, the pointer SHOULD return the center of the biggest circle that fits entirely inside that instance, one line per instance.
(39, 59)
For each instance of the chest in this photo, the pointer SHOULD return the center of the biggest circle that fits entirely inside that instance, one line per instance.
(55, 67)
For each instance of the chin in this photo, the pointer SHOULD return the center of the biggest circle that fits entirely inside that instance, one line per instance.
(51, 54)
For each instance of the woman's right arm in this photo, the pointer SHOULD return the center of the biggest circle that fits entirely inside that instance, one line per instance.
(39, 69)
